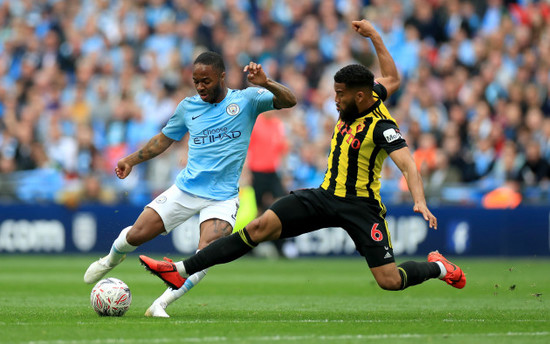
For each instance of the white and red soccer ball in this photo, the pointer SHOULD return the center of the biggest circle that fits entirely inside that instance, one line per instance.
(111, 297)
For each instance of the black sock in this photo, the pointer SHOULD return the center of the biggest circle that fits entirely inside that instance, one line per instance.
(413, 273)
(223, 250)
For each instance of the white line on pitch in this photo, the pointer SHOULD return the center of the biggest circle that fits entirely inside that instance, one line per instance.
(237, 321)
(286, 338)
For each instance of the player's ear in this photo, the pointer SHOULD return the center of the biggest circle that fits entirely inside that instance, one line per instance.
(359, 96)
(222, 76)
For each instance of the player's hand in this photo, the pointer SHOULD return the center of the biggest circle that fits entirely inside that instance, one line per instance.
(427, 214)
(364, 28)
(123, 169)
(256, 74)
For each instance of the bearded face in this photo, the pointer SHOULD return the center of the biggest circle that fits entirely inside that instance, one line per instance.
(345, 102)
(349, 112)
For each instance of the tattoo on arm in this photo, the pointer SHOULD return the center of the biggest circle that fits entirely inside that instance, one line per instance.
(154, 147)
(148, 152)
(284, 98)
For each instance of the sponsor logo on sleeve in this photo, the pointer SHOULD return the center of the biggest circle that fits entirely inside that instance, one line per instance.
(391, 135)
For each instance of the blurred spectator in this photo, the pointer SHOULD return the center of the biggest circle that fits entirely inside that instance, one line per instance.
(425, 154)
(444, 174)
(506, 196)
(491, 18)
(508, 166)
(458, 158)
(428, 21)
(61, 149)
(89, 191)
(536, 169)
(23, 150)
(7, 184)
(484, 157)
(544, 138)
(31, 186)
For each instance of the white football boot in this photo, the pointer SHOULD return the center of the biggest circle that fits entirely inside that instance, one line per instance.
(98, 269)
(157, 310)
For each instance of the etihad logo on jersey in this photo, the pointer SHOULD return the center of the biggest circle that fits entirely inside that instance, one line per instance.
(392, 135)
(213, 135)
(345, 130)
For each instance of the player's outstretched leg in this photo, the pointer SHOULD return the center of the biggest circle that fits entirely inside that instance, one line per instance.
(102, 266)
(158, 308)
(220, 251)
(166, 270)
(453, 274)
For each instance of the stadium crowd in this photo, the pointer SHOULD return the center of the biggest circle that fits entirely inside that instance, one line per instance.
(83, 83)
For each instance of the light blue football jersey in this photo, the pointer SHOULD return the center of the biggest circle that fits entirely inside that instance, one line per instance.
(218, 141)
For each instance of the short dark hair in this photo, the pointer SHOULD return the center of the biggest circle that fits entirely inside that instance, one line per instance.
(355, 75)
(210, 58)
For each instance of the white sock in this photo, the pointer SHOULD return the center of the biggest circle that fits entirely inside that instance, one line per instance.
(171, 295)
(120, 248)
(167, 297)
(443, 270)
(181, 268)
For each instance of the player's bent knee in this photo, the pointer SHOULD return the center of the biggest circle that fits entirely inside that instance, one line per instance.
(387, 276)
(389, 283)
(263, 229)
(255, 231)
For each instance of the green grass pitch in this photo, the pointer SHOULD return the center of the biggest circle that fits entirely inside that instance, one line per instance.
(44, 301)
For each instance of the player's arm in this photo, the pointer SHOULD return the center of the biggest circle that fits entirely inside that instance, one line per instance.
(404, 160)
(156, 145)
(390, 76)
(282, 95)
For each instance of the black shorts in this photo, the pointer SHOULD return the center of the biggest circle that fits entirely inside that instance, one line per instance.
(363, 219)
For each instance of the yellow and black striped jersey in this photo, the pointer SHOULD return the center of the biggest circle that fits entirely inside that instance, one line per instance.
(358, 150)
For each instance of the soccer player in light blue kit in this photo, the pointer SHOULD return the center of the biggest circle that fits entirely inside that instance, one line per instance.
(219, 121)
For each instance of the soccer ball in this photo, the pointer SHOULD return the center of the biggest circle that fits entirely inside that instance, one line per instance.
(111, 297)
